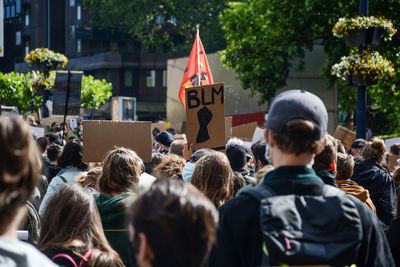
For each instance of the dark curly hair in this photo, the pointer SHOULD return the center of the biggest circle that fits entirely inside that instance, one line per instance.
(72, 156)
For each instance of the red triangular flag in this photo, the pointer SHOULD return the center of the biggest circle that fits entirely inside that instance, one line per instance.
(197, 66)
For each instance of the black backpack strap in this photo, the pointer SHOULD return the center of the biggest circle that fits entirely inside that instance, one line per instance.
(260, 192)
(63, 178)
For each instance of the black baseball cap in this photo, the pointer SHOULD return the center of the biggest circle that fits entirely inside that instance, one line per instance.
(298, 104)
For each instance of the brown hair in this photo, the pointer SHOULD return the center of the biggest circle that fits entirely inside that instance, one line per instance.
(122, 168)
(19, 168)
(395, 149)
(72, 215)
(90, 178)
(345, 166)
(396, 177)
(301, 144)
(176, 147)
(214, 177)
(323, 160)
(171, 167)
(375, 150)
(166, 213)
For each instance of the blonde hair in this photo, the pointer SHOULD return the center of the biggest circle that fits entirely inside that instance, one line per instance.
(214, 177)
(345, 166)
(171, 167)
(375, 150)
(90, 178)
(260, 174)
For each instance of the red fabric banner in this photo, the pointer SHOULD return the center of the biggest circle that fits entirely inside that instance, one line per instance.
(197, 66)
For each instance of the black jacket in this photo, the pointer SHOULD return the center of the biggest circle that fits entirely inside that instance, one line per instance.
(373, 177)
(239, 235)
(393, 237)
(327, 177)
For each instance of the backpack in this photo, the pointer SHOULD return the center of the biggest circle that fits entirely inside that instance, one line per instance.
(83, 262)
(308, 229)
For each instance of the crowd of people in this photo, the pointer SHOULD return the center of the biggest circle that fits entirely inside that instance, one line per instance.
(296, 198)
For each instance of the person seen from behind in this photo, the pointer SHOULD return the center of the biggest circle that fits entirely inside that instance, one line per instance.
(172, 224)
(372, 176)
(325, 162)
(122, 168)
(293, 218)
(345, 167)
(20, 164)
(72, 234)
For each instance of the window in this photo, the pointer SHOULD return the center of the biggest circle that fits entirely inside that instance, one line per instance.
(78, 13)
(71, 3)
(18, 6)
(12, 11)
(8, 11)
(27, 18)
(128, 77)
(164, 78)
(26, 48)
(72, 32)
(18, 38)
(78, 46)
(151, 78)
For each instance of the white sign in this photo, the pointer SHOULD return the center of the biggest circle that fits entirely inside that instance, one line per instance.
(38, 131)
(389, 142)
(73, 124)
(258, 135)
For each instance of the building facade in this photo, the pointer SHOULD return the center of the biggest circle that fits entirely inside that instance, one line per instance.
(103, 53)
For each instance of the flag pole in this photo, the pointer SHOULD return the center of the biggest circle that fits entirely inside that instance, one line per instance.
(198, 55)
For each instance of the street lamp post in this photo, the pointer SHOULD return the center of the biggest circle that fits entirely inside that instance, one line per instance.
(361, 111)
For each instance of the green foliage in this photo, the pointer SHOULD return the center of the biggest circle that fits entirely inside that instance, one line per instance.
(163, 25)
(14, 91)
(264, 37)
(99, 90)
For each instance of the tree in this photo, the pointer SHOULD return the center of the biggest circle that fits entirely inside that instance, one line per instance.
(168, 25)
(99, 90)
(264, 37)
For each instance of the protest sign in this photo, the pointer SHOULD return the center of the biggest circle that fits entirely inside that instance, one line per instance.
(389, 142)
(205, 116)
(99, 137)
(67, 91)
(38, 131)
(244, 131)
(345, 135)
(228, 128)
(46, 122)
(258, 135)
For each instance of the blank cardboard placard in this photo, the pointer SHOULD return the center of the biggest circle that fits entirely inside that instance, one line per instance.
(345, 135)
(258, 135)
(244, 131)
(205, 116)
(228, 128)
(38, 131)
(99, 137)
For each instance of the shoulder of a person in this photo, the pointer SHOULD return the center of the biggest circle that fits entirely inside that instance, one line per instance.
(241, 202)
(26, 252)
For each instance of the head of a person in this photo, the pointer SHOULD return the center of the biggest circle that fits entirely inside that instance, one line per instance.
(54, 152)
(19, 169)
(160, 220)
(176, 147)
(238, 182)
(42, 144)
(164, 138)
(345, 166)
(375, 149)
(171, 167)
(396, 177)
(72, 215)
(52, 137)
(395, 149)
(122, 168)
(261, 173)
(296, 124)
(237, 156)
(72, 156)
(327, 158)
(90, 178)
(156, 159)
(188, 170)
(357, 148)
(214, 177)
(258, 150)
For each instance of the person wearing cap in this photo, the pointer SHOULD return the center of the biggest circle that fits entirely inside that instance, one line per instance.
(357, 149)
(237, 156)
(163, 142)
(296, 126)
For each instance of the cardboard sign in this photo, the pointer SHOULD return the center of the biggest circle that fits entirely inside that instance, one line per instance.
(99, 137)
(389, 142)
(38, 131)
(258, 135)
(157, 127)
(46, 122)
(244, 131)
(205, 116)
(345, 135)
(228, 128)
(65, 79)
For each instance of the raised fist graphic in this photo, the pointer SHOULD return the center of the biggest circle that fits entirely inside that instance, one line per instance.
(204, 116)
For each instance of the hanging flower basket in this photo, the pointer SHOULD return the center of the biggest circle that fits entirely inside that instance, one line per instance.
(363, 69)
(364, 30)
(44, 60)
